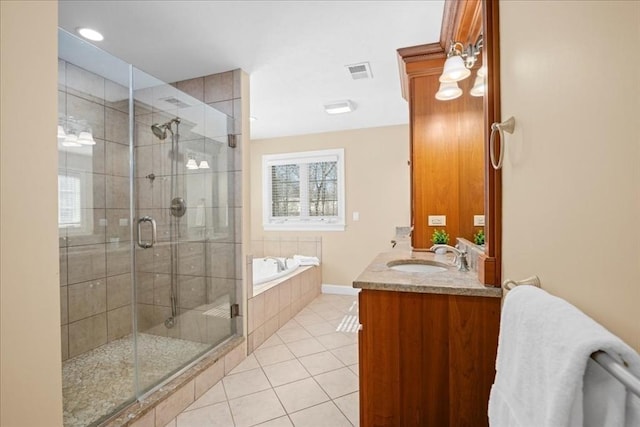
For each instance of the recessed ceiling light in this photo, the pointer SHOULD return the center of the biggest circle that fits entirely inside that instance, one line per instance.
(90, 34)
(340, 107)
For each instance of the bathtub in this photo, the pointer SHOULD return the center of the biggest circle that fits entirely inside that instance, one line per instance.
(266, 269)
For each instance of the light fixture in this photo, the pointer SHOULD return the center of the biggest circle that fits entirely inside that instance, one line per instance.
(203, 165)
(90, 34)
(454, 70)
(74, 132)
(340, 107)
(457, 67)
(479, 86)
(448, 91)
(191, 163)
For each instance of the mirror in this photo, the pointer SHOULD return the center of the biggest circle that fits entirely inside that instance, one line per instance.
(451, 174)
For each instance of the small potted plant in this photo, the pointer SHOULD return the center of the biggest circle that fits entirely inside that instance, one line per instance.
(478, 238)
(440, 237)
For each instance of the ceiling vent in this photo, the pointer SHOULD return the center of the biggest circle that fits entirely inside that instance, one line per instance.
(175, 102)
(360, 71)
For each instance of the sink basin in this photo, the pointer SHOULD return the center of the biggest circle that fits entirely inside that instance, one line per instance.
(417, 266)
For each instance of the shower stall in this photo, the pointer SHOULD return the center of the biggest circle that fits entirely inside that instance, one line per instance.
(149, 220)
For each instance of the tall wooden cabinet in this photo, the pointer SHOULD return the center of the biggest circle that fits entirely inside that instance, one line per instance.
(426, 359)
(447, 160)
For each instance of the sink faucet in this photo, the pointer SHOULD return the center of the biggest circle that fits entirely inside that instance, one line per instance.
(460, 259)
(281, 265)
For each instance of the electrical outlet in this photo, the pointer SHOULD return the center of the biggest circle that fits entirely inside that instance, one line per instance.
(478, 220)
(437, 220)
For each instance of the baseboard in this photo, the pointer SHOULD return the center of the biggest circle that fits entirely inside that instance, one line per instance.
(339, 290)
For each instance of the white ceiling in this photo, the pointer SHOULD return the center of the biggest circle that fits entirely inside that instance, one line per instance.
(294, 51)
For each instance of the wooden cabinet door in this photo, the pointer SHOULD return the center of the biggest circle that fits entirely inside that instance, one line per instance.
(403, 350)
(426, 359)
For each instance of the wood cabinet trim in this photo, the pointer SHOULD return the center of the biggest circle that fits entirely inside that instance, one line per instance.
(464, 20)
(492, 263)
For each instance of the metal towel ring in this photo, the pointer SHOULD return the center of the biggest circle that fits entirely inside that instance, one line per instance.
(506, 126)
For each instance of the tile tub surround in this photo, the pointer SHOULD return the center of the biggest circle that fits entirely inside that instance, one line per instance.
(287, 247)
(306, 374)
(282, 300)
(378, 276)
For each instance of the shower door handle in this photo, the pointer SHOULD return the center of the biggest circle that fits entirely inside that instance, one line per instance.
(146, 245)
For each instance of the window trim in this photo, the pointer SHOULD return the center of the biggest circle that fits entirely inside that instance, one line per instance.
(270, 223)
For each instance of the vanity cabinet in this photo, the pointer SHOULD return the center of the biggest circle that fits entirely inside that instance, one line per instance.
(426, 359)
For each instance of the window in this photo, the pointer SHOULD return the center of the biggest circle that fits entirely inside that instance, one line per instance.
(304, 191)
(75, 200)
(69, 202)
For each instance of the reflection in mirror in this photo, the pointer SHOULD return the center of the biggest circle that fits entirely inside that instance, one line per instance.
(450, 173)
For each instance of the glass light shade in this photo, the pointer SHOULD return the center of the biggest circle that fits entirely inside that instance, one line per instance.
(454, 70)
(448, 91)
(191, 164)
(85, 138)
(482, 71)
(479, 86)
(71, 140)
(204, 165)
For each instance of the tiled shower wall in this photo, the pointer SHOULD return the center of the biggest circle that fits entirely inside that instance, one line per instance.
(95, 290)
(210, 247)
(95, 273)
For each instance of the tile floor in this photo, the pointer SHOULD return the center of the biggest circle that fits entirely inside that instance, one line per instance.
(304, 375)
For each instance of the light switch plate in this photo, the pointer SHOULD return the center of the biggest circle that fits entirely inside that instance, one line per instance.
(437, 220)
(356, 216)
(478, 220)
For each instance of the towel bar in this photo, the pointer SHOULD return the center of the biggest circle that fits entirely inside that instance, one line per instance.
(618, 371)
(510, 284)
(608, 363)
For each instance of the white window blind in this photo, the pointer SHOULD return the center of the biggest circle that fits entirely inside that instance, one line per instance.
(69, 200)
(304, 191)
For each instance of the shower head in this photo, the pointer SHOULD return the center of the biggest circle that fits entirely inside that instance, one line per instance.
(160, 130)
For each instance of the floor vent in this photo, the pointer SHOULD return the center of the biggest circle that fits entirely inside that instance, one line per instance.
(360, 71)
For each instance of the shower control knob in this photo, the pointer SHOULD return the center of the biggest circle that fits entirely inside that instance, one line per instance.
(178, 207)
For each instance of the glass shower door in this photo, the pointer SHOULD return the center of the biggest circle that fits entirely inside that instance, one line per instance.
(185, 247)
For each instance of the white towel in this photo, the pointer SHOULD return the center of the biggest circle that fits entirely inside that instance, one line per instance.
(306, 260)
(544, 346)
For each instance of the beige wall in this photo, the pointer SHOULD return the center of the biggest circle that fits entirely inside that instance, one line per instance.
(377, 186)
(30, 366)
(571, 178)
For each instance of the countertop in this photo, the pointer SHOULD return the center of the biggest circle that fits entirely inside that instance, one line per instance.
(378, 276)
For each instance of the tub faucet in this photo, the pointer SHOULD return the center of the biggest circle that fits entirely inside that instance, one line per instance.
(460, 259)
(281, 265)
